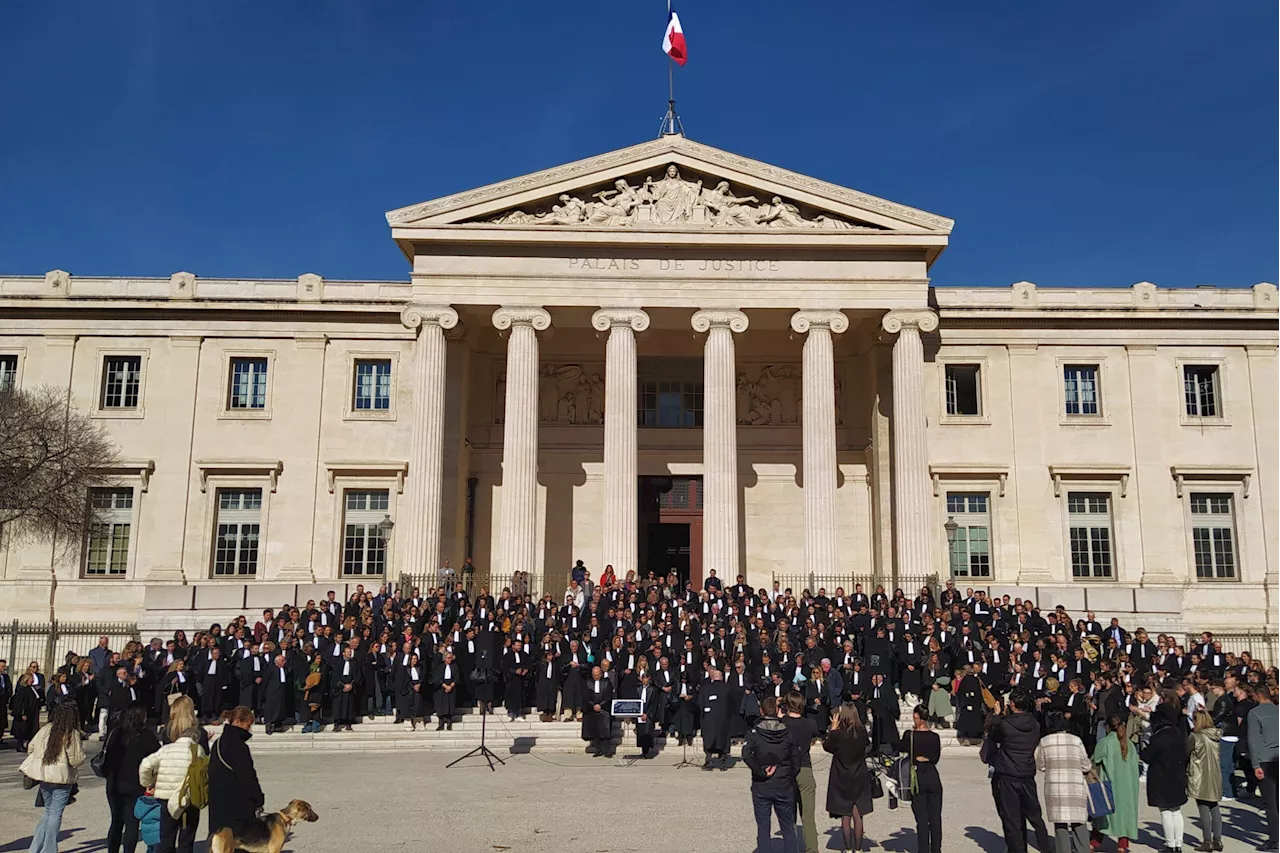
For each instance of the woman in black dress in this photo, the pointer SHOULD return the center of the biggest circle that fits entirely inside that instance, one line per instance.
(924, 748)
(24, 710)
(969, 709)
(849, 781)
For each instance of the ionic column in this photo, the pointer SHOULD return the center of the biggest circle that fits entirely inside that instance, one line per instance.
(719, 440)
(517, 543)
(818, 418)
(419, 525)
(911, 502)
(621, 498)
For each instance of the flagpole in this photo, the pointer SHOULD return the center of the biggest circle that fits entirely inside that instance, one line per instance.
(671, 125)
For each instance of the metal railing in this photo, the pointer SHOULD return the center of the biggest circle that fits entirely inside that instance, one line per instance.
(1263, 645)
(472, 582)
(911, 585)
(48, 642)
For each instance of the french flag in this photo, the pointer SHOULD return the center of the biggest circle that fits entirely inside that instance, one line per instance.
(673, 40)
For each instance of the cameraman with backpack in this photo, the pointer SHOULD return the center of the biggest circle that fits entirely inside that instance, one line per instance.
(178, 777)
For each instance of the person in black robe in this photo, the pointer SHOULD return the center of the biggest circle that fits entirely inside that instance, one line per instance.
(213, 683)
(597, 716)
(715, 701)
(344, 680)
(547, 686)
(446, 678)
(574, 672)
(742, 699)
(6, 696)
(250, 672)
(276, 691)
(25, 706)
(970, 713)
(649, 700)
(175, 682)
(517, 674)
(668, 686)
(884, 705)
(411, 696)
(684, 719)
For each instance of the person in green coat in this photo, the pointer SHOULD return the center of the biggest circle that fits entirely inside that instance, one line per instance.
(1118, 760)
(1204, 779)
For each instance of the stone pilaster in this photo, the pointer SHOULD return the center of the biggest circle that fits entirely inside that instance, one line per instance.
(911, 501)
(818, 419)
(720, 508)
(419, 525)
(517, 545)
(621, 496)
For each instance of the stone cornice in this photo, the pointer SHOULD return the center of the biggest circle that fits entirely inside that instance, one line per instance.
(413, 315)
(835, 321)
(895, 321)
(606, 318)
(521, 315)
(708, 318)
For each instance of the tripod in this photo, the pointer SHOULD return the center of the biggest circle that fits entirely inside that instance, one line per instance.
(685, 761)
(483, 751)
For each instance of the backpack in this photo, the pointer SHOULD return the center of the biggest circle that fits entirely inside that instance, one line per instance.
(195, 785)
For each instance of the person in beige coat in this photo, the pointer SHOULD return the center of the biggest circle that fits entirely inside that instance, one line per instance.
(53, 759)
(162, 774)
(1062, 759)
(1204, 778)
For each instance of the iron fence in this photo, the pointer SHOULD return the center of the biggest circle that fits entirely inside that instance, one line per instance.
(797, 582)
(1263, 645)
(472, 582)
(48, 642)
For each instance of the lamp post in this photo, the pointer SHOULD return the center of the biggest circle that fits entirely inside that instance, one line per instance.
(951, 527)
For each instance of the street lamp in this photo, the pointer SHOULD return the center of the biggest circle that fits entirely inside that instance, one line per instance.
(385, 526)
(951, 527)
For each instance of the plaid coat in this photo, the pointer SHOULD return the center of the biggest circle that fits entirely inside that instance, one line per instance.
(1064, 763)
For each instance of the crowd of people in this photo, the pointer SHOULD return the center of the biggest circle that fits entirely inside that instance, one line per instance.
(775, 670)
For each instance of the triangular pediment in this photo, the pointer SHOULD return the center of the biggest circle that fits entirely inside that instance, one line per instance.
(670, 183)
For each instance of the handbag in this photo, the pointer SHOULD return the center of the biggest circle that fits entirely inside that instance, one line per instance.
(877, 789)
(1101, 800)
(98, 764)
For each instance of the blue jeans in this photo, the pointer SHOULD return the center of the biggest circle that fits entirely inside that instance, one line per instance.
(783, 804)
(1227, 761)
(45, 839)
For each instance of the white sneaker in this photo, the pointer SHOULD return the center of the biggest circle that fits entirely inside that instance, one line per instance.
(1228, 799)
(408, 727)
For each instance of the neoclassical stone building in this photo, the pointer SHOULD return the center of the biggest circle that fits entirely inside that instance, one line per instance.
(664, 356)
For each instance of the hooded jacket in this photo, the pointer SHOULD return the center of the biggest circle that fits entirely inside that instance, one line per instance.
(1016, 738)
(769, 744)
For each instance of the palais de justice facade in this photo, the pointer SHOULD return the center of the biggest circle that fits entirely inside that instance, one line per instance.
(663, 356)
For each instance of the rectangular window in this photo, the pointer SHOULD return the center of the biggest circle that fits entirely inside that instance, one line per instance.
(1200, 383)
(1213, 536)
(964, 389)
(121, 381)
(372, 385)
(248, 387)
(8, 373)
(239, 527)
(1089, 529)
(111, 517)
(970, 549)
(364, 548)
(669, 404)
(1080, 389)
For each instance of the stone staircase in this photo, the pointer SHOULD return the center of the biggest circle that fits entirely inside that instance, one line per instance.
(523, 736)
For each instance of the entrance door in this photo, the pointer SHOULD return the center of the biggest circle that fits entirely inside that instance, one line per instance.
(671, 527)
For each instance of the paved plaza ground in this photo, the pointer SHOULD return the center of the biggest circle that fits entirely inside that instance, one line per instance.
(560, 803)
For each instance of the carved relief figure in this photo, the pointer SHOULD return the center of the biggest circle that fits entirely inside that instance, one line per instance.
(570, 395)
(772, 399)
(672, 200)
(500, 398)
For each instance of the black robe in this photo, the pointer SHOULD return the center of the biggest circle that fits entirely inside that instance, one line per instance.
(345, 672)
(575, 678)
(212, 688)
(970, 712)
(517, 674)
(446, 675)
(411, 692)
(597, 725)
(742, 699)
(650, 699)
(547, 688)
(251, 691)
(277, 695)
(25, 703)
(715, 700)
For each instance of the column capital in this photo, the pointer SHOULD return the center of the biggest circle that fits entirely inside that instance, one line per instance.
(803, 321)
(924, 320)
(521, 315)
(606, 318)
(707, 318)
(413, 316)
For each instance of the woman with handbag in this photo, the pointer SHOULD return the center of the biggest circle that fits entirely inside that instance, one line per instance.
(130, 742)
(1061, 758)
(924, 748)
(1118, 760)
(848, 781)
(1204, 779)
(53, 763)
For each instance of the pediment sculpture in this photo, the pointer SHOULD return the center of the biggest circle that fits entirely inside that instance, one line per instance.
(672, 200)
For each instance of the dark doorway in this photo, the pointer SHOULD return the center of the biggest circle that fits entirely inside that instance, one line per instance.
(671, 527)
(668, 549)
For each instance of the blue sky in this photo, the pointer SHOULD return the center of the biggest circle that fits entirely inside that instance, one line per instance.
(1075, 144)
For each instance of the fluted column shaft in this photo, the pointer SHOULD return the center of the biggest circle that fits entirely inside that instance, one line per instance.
(419, 526)
(818, 419)
(720, 509)
(621, 490)
(517, 543)
(911, 504)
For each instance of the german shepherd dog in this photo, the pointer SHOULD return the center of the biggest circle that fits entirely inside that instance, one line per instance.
(266, 835)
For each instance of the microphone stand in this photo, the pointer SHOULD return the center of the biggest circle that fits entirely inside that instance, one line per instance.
(483, 751)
